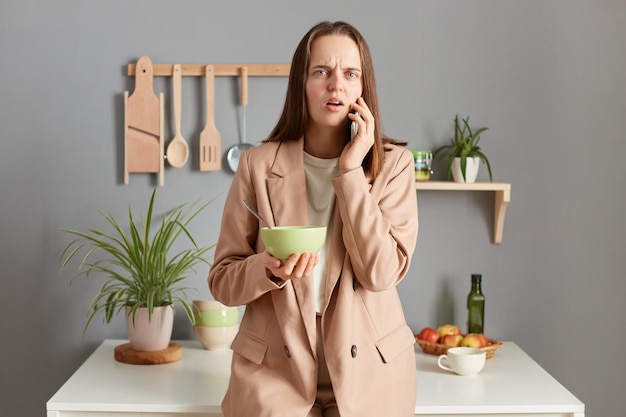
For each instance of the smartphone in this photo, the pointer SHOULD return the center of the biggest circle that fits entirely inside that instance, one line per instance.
(354, 128)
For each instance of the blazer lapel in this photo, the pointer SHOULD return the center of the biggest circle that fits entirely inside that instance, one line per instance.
(288, 199)
(287, 188)
(336, 255)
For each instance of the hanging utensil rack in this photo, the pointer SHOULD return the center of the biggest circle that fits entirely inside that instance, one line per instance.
(229, 70)
(136, 160)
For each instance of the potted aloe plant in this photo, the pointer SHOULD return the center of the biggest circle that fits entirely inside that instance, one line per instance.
(463, 153)
(139, 273)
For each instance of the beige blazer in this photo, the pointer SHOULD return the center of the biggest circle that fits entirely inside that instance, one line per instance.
(368, 345)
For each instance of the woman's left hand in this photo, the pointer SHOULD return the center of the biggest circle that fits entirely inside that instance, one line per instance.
(354, 152)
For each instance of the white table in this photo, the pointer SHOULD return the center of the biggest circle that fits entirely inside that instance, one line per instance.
(512, 384)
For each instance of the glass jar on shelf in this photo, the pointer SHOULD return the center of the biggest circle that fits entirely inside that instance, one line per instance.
(423, 160)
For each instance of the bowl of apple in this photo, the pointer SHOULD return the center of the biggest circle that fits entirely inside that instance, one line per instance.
(438, 341)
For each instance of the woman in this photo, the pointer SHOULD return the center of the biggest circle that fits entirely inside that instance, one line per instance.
(322, 334)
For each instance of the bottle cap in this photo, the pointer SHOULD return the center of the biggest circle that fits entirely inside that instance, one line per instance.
(476, 277)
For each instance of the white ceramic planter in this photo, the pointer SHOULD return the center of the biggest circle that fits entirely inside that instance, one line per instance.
(471, 170)
(150, 335)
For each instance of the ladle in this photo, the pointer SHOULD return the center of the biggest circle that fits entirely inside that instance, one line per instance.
(177, 150)
(255, 213)
(234, 153)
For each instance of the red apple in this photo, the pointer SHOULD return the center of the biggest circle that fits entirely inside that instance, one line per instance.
(452, 340)
(484, 339)
(428, 335)
(448, 329)
(475, 340)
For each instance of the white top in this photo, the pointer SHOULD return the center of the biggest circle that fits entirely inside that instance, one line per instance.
(510, 384)
(321, 198)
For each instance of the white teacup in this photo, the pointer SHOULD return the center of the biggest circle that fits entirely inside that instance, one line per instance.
(463, 360)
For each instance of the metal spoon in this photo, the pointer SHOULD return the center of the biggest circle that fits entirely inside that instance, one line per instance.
(255, 213)
(234, 153)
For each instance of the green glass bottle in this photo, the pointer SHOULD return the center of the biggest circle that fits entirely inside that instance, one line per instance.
(476, 306)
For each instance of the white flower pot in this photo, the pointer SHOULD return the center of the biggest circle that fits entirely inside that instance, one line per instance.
(471, 170)
(150, 335)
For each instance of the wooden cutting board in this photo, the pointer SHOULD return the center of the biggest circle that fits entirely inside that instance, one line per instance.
(143, 124)
(126, 354)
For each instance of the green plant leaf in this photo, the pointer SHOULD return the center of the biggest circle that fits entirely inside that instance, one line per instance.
(463, 145)
(136, 265)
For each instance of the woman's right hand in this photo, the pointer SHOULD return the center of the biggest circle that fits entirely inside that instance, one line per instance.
(297, 266)
(355, 151)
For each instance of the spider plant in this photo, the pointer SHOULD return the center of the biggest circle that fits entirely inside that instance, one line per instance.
(464, 145)
(136, 266)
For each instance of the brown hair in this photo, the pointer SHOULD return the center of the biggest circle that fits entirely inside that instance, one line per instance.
(294, 117)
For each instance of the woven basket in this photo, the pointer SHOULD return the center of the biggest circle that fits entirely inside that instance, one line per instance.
(439, 349)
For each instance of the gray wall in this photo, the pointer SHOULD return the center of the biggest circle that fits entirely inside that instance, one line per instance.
(547, 78)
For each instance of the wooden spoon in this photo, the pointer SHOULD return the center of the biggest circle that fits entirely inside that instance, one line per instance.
(177, 150)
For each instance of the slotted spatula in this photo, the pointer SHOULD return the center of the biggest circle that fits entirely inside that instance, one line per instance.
(210, 138)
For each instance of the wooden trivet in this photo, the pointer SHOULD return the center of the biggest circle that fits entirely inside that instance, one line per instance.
(126, 354)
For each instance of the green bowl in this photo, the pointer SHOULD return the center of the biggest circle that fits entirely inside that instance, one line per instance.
(283, 241)
(214, 314)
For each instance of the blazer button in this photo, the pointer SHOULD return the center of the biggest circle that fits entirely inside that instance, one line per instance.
(353, 351)
(287, 352)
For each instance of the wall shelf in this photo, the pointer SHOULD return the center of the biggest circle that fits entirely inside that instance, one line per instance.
(501, 199)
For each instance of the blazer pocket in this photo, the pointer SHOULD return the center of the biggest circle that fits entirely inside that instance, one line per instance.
(249, 347)
(395, 343)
